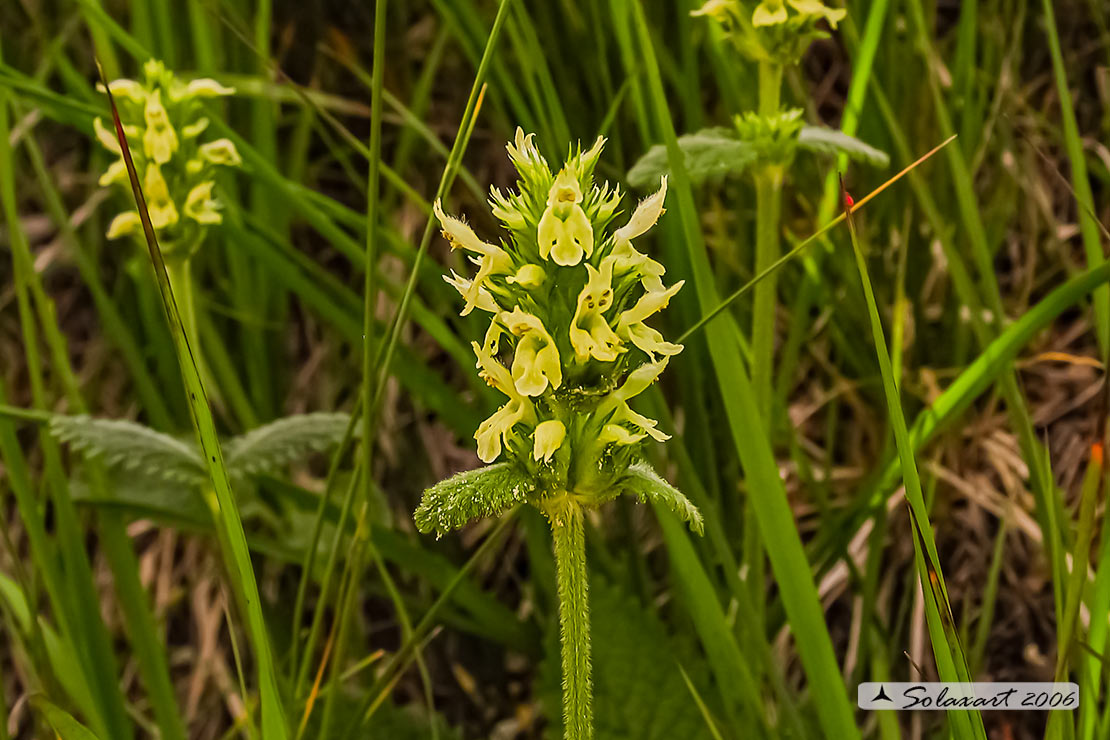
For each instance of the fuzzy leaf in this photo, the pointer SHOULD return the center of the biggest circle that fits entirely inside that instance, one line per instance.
(639, 693)
(277, 444)
(830, 141)
(487, 491)
(647, 485)
(709, 153)
(132, 447)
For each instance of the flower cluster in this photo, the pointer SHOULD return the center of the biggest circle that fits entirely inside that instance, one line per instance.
(570, 302)
(163, 120)
(773, 29)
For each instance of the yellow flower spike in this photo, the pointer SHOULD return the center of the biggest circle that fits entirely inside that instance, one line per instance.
(565, 233)
(548, 437)
(159, 138)
(206, 88)
(483, 299)
(163, 212)
(590, 333)
(497, 430)
(125, 224)
(194, 130)
(816, 8)
(200, 206)
(116, 172)
(528, 276)
(536, 360)
(769, 13)
(221, 152)
(631, 326)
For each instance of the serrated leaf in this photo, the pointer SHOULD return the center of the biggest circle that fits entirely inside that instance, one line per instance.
(830, 141)
(647, 485)
(272, 446)
(129, 446)
(472, 494)
(639, 693)
(709, 153)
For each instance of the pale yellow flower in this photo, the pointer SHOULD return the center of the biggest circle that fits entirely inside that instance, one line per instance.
(194, 130)
(769, 13)
(615, 406)
(116, 172)
(159, 138)
(129, 89)
(221, 152)
(493, 260)
(206, 88)
(626, 256)
(483, 299)
(565, 233)
(818, 9)
(631, 326)
(163, 212)
(536, 360)
(200, 206)
(590, 333)
(497, 430)
(548, 438)
(124, 224)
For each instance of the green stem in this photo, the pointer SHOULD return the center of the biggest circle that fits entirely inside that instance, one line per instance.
(574, 616)
(768, 201)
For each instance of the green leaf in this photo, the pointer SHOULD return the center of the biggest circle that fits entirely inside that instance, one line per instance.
(830, 141)
(639, 693)
(132, 447)
(709, 153)
(62, 721)
(486, 491)
(272, 446)
(647, 485)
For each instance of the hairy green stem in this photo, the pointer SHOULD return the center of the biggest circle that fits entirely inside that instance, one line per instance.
(768, 203)
(768, 200)
(574, 616)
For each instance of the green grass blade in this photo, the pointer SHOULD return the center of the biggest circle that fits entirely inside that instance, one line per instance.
(951, 663)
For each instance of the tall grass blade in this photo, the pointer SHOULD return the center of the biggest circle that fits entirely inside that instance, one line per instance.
(951, 663)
